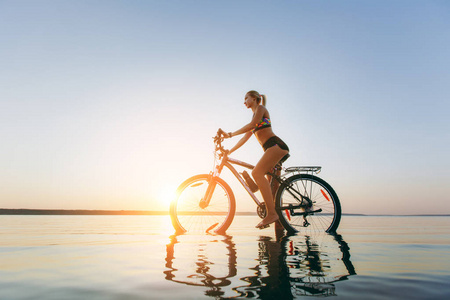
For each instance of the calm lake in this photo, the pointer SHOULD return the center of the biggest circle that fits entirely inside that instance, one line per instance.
(138, 257)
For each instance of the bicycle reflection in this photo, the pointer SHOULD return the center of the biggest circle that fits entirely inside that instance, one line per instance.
(194, 253)
(290, 267)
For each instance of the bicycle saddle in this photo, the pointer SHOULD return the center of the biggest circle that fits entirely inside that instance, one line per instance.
(284, 159)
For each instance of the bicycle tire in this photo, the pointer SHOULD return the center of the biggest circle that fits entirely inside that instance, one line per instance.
(324, 199)
(187, 215)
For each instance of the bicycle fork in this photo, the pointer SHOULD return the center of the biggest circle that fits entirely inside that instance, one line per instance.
(212, 182)
(204, 202)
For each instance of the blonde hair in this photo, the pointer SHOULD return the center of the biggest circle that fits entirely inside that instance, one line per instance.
(259, 97)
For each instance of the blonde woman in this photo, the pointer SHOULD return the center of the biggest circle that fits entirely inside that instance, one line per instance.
(274, 150)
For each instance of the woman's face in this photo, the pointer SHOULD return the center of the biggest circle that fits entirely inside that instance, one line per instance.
(249, 100)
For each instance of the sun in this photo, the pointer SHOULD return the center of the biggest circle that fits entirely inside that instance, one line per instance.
(165, 195)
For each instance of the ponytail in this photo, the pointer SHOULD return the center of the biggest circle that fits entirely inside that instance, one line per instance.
(263, 100)
(260, 98)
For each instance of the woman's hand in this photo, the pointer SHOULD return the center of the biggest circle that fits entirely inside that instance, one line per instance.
(225, 134)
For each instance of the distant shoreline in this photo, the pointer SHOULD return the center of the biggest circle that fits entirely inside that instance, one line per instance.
(81, 212)
(97, 212)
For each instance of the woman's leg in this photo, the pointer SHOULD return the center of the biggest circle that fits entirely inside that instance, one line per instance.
(270, 158)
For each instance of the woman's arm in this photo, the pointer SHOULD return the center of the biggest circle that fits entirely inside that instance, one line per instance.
(259, 113)
(241, 142)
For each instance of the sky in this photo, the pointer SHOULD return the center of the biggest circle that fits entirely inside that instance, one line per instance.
(112, 104)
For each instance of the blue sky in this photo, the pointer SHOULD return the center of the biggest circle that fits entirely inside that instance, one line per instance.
(111, 104)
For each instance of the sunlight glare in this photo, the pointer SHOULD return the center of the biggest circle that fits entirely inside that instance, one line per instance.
(166, 194)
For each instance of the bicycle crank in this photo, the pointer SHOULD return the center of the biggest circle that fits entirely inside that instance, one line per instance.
(261, 210)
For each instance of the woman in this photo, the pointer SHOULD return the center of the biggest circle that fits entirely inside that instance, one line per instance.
(274, 150)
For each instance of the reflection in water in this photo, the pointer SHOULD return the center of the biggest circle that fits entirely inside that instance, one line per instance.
(287, 267)
(195, 253)
(299, 266)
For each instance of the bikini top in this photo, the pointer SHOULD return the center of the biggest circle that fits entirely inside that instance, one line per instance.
(264, 123)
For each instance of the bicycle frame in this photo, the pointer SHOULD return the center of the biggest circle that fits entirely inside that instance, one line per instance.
(228, 162)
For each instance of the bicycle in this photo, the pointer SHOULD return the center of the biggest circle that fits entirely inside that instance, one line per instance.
(303, 201)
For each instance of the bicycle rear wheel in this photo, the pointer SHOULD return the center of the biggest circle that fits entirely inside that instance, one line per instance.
(187, 215)
(323, 216)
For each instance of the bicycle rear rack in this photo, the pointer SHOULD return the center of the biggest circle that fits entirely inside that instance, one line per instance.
(311, 170)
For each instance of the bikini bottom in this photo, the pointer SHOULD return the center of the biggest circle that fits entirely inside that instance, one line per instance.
(272, 141)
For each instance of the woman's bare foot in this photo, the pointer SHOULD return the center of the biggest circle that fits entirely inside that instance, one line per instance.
(267, 221)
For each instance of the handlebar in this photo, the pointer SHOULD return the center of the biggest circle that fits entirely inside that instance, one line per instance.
(218, 139)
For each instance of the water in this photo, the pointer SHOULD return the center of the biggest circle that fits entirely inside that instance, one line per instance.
(138, 257)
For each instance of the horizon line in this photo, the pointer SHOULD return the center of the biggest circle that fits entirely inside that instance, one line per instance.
(33, 211)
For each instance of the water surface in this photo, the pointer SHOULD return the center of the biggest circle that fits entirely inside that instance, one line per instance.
(139, 257)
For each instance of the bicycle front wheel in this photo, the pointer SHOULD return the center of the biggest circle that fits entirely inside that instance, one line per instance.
(187, 213)
(323, 216)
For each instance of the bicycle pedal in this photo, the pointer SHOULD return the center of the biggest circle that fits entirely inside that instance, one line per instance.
(264, 226)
